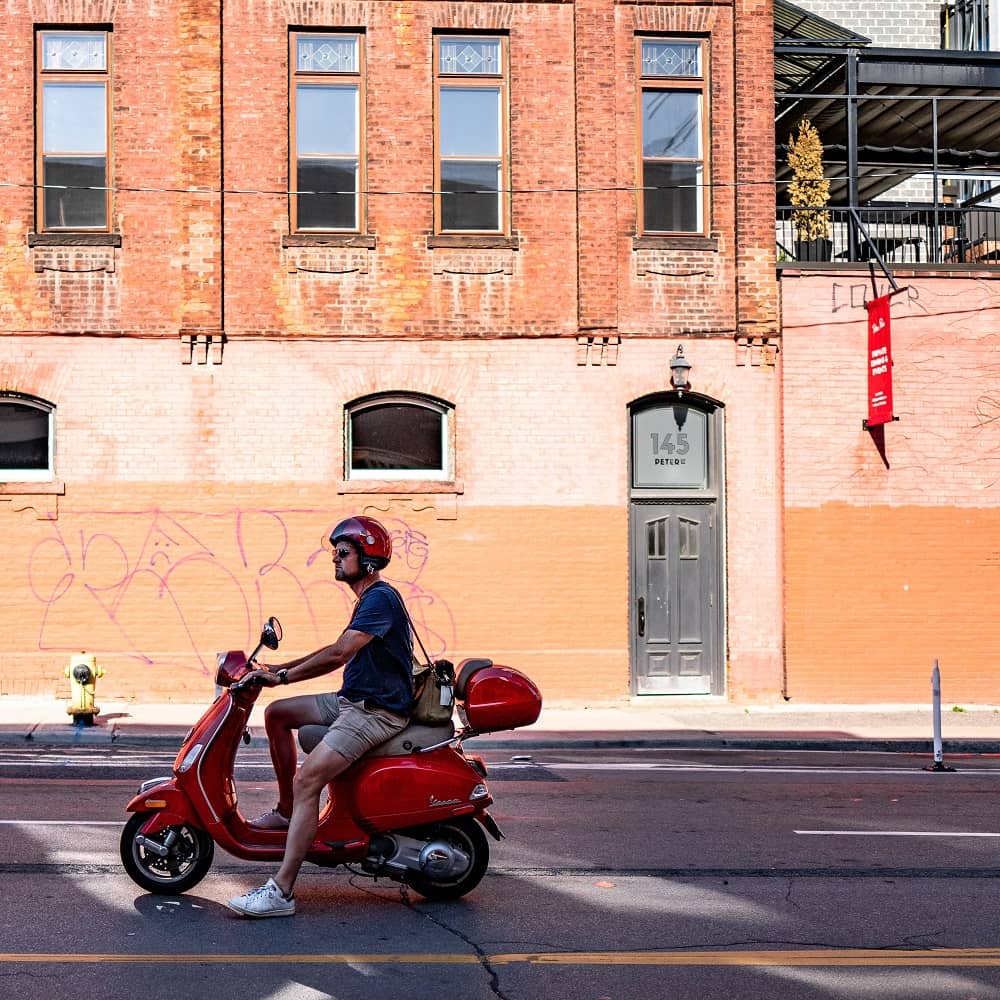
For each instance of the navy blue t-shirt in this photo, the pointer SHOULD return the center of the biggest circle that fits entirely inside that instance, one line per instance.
(381, 672)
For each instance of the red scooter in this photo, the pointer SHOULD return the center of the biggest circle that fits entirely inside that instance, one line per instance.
(413, 810)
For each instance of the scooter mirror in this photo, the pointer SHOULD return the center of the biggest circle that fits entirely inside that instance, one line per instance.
(270, 636)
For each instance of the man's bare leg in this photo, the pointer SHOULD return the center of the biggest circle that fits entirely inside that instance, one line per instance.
(281, 719)
(318, 769)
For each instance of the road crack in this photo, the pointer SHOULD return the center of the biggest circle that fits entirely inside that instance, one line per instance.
(484, 959)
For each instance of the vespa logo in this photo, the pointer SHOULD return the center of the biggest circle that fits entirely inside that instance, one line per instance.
(443, 802)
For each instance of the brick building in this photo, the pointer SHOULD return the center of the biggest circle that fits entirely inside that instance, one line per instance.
(265, 264)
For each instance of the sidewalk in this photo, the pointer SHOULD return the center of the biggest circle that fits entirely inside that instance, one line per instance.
(32, 722)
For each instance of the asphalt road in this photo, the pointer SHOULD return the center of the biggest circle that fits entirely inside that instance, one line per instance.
(625, 874)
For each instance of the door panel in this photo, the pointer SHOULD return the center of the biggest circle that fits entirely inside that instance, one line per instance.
(675, 614)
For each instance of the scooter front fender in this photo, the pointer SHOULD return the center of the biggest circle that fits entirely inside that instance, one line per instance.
(170, 806)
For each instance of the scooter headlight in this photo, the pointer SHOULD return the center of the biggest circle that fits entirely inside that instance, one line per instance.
(190, 757)
(479, 792)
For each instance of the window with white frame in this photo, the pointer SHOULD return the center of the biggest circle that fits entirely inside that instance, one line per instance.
(26, 446)
(73, 130)
(327, 134)
(673, 138)
(399, 436)
(471, 166)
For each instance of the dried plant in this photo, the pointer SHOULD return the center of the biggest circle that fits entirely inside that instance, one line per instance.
(809, 190)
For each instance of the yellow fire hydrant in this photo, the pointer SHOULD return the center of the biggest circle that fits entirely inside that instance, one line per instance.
(83, 672)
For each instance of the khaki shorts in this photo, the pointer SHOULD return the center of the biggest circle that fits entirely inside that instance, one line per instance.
(354, 729)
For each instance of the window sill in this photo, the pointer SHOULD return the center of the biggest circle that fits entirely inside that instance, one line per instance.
(406, 486)
(74, 239)
(361, 241)
(24, 487)
(675, 243)
(458, 241)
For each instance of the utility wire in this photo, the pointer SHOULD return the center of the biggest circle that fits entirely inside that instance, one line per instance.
(374, 192)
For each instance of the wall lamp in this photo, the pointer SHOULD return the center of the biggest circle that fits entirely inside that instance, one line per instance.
(680, 368)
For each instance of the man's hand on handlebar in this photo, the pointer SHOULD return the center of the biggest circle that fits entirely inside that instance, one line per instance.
(262, 677)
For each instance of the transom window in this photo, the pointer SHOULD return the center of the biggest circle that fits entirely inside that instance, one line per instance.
(672, 111)
(25, 439)
(74, 113)
(327, 106)
(399, 436)
(471, 163)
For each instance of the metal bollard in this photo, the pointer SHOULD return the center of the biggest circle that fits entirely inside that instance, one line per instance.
(938, 764)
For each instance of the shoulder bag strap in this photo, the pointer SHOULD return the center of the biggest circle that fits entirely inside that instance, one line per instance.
(416, 634)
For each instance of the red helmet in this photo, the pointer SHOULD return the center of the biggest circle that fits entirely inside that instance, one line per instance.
(370, 538)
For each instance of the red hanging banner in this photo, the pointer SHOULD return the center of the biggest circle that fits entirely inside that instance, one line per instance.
(879, 363)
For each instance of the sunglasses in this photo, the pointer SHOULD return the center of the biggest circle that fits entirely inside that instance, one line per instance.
(343, 551)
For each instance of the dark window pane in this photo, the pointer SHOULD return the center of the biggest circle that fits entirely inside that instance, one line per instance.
(74, 208)
(671, 198)
(24, 437)
(396, 436)
(327, 211)
(469, 196)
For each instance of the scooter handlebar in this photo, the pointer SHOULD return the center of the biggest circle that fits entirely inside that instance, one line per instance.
(249, 681)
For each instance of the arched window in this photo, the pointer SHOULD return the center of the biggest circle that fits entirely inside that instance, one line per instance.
(399, 436)
(26, 444)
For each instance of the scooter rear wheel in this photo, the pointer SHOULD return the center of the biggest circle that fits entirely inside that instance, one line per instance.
(464, 835)
(188, 856)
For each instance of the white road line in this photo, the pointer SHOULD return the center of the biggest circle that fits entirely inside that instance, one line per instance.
(61, 822)
(733, 769)
(164, 764)
(890, 833)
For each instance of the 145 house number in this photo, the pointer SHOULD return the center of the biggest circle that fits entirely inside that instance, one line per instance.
(671, 445)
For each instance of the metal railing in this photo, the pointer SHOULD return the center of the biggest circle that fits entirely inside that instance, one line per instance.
(899, 235)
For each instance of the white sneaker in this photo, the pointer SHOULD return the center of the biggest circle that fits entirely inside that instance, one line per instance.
(267, 901)
(272, 820)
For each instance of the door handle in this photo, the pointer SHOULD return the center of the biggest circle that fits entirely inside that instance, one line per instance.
(642, 616)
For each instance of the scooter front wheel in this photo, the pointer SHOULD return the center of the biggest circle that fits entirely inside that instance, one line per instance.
(465, 855)
(169, 862)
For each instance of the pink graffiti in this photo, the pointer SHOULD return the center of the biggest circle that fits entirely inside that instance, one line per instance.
(209, 580)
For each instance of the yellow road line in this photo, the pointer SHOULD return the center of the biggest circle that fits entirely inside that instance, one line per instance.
(873, 958)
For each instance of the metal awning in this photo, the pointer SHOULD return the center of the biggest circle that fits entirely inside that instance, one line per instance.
(883, 115)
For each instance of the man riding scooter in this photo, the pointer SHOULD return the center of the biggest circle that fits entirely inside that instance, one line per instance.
(372, 705)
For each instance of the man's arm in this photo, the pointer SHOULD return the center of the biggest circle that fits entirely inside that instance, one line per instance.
(323, 661)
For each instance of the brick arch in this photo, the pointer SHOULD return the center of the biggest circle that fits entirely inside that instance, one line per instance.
(484, 16)
(427, 380)
(308, 13)
(414, 394)
(74, 11)
(696, 399)
(40, 381)
(675, 18)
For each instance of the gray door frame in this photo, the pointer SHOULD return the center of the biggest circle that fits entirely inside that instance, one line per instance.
(708, 494)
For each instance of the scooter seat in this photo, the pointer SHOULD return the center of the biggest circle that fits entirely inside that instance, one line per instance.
(410, 740)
